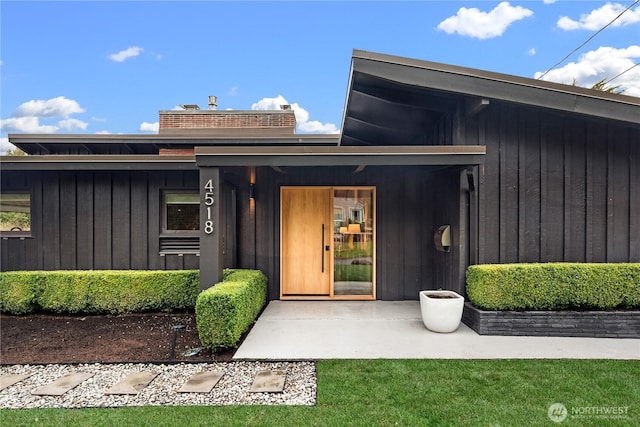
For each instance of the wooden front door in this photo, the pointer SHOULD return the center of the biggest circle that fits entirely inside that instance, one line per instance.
(306, 230)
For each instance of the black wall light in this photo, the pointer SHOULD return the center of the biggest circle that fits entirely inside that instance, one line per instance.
(252, 191)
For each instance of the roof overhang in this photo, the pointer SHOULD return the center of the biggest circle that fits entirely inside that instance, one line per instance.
(99, 162)
(398, 100)
(340, 156)
(135, 144)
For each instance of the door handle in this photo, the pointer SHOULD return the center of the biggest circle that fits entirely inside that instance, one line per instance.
(322, 250)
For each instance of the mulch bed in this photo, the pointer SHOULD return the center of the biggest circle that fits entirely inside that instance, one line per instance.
(143, 337)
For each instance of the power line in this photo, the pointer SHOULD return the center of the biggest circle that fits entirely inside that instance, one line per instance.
(625, 71)
(589, 39)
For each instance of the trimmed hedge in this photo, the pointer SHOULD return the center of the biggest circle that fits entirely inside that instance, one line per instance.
(554, 286)
(226, 310)
(98, 292)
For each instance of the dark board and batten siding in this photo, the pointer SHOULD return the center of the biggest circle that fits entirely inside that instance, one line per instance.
(95, 220)
(556, 189)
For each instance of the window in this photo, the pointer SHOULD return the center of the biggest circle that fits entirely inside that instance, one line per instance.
(180, 223)
(15, 214)
(181, 212)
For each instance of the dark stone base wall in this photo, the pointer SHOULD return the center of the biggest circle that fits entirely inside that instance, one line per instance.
(597, 324)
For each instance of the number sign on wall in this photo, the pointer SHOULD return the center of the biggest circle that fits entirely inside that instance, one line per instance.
(209, 201)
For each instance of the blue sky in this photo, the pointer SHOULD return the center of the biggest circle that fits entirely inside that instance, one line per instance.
(109, 67)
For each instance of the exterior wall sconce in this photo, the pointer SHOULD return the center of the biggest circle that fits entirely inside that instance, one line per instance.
(252, 191)
(442, 238)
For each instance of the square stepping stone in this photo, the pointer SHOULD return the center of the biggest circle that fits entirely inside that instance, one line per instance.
(202, 382)
(11, 379)
(268, 382)
(132, 383)
(62, 384)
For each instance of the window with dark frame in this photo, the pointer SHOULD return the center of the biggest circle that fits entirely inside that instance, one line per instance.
(15, 214)
(181, 211)
(180, 223)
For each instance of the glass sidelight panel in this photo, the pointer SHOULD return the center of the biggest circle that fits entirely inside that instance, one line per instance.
(354, 243)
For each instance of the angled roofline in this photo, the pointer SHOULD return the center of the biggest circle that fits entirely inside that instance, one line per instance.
(492, 85)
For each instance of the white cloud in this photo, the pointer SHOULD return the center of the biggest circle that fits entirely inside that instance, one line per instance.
(600, 17)
(54, 107)
(98, 119)
(302, 115)
(270, 104)
(531, 51)
(27, 117)
(548, 1)
(123, 55)
(473, 22)
(315, 126)
(71, 124)
(233, 91)
(5, 146)
(103, 132)
(149, 127)
(26, 125)
(602, 63)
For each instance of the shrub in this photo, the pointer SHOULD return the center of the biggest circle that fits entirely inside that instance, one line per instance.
(64, 292)
(94, 292)
(226, 310)
(18, 291)
(554, 286)
(143, 291)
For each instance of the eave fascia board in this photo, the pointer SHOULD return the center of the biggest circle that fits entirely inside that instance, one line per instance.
(496, 86)
(299, 139)
(340, 156)
(98, 162)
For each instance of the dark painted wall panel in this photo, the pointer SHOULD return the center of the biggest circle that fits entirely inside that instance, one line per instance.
(102, 224)
(509, 188)
(552, 221)
(575, 212)
(596, 232)
(51, 221)
(565, 191)
(529, 194)
(634, 200)
(121, 221)
(68, 222)
(84, 191)
(139, 220)
(619, 197)
(94, 220)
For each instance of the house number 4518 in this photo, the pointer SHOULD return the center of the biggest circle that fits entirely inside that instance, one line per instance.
(208, 201)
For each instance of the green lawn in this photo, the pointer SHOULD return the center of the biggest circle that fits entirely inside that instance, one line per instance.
(406, 393)
(353, 273)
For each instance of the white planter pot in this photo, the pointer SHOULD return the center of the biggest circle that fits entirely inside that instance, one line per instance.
(441, 310)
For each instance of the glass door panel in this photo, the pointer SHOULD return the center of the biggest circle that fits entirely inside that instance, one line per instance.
(354, 243)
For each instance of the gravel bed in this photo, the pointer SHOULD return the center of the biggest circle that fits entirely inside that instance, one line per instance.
(232, 389)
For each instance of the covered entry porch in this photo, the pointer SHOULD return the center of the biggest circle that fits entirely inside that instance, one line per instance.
(417, 189)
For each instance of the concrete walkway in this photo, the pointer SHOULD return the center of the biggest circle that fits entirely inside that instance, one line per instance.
(311, 330)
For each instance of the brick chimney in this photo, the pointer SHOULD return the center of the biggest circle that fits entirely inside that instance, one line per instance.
(193, 121)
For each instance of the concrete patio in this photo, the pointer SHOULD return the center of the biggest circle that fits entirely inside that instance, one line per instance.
(312, 330)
